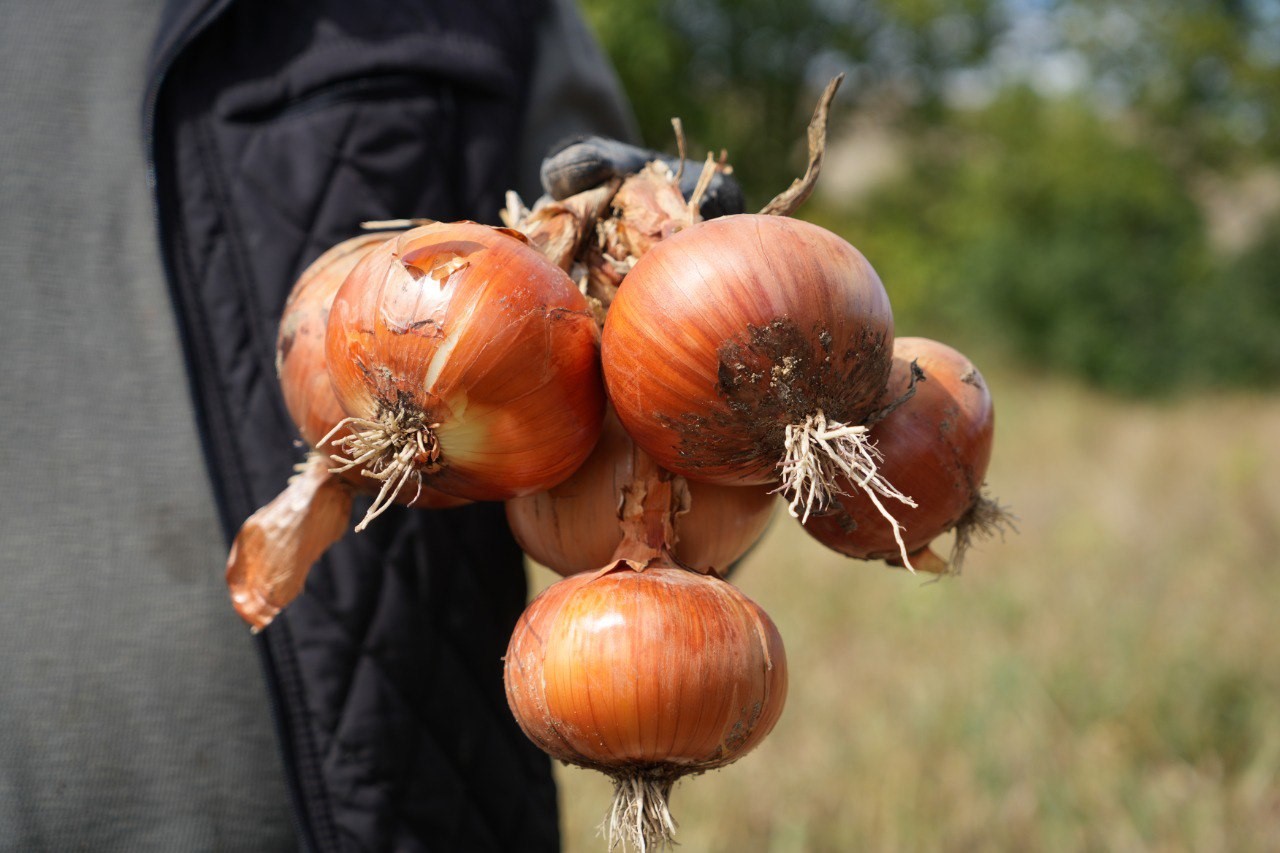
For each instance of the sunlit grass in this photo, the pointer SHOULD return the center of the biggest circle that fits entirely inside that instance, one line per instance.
(1106, 679)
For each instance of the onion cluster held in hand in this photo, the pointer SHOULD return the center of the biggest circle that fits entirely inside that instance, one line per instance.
(742, 357)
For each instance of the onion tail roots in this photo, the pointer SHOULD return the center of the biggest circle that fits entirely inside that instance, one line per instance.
(641, 816)
(394, 449)
(984, 519)
(818, 453)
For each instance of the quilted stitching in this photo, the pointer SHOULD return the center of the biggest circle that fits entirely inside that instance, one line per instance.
(397, 662)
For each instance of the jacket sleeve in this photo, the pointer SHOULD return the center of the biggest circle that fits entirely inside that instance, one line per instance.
(573, 91)
(276, 129)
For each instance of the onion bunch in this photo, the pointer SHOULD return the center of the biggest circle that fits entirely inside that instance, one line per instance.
(935, 436)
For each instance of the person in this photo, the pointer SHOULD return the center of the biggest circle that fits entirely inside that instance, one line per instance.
(145, 274)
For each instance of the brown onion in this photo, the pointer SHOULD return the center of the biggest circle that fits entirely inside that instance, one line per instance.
(304, 379)
(574, 527)
(645, 670)
(301, 367)
(645, 674)
(935, 440)
(276, 546)
(466, 361)
(748, 349)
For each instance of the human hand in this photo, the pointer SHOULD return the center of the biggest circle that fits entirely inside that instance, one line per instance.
(585, 162)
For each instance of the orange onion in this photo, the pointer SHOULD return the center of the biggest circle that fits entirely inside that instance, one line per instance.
(645, 670)
(304, 375)
(935, 438)
(276, 546)
(300, 364)
(574, 527)
(465, 361)
(749, 349)
(646, 674)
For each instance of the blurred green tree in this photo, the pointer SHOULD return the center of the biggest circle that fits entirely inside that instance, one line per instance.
(1205, 72)
(1054, 154)
(1031, 223)
(744, 75)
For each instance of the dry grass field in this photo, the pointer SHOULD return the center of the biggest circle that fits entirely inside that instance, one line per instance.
(1107, 679)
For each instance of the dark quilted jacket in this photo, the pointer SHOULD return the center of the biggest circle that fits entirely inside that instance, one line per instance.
(274, 129)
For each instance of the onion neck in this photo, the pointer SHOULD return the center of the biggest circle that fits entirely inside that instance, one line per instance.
(650, 503)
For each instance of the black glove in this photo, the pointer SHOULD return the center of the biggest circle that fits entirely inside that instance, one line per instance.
(585, 162)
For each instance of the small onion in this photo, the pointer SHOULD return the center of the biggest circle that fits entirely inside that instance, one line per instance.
(276, 546)
(646, 674)
(935, 440)
(466, 361)
(748, 349)
(574, 527)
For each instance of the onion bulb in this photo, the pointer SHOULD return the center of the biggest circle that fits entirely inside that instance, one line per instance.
(465, 361)
(750, 349)
(300, 365)
(302, 371)
(935, 439)
(574, 527)
(276, 546)
(646, 674)
(645, 670)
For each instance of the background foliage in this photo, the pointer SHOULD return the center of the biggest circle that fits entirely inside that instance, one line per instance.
(1087, 186)
(1084, 196)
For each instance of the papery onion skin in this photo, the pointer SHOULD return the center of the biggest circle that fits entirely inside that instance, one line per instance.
(661, 672)
(574, 527)
(301, 368)
(936, 447)
(478, 339)
(731, 330)
(276, 546)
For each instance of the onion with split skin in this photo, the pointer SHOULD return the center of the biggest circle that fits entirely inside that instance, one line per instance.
(276, 546)
(466, 362)
(749, 350)
(303, 372)
(935, 438)
(574, 527)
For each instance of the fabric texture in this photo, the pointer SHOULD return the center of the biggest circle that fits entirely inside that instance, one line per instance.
(278, 131)
(133, 715)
